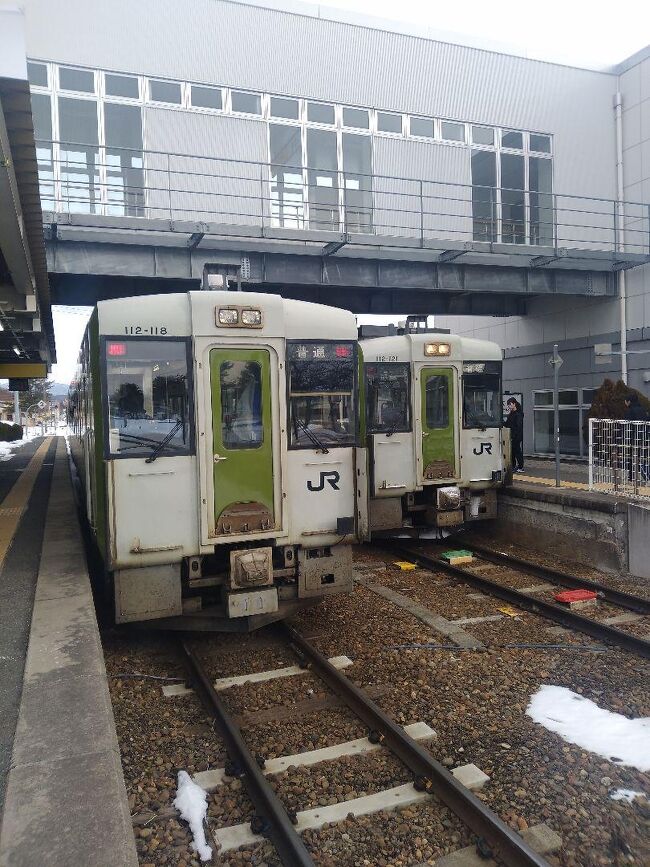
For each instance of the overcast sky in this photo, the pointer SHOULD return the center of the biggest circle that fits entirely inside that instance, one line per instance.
(596, 34)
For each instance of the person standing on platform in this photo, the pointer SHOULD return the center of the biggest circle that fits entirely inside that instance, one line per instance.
(515, 422)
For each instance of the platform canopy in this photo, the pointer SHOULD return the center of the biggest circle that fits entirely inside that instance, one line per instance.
(27, 337)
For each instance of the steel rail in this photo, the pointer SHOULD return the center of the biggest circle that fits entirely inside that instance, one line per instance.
(609, 594)
(276, 824)
(431, 775)
(566, 618)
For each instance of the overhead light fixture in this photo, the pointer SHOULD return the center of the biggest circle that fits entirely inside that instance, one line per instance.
(16, 350)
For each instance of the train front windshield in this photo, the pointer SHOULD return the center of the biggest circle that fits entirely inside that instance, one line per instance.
(482, 394)
(322, 410)
(148, 396)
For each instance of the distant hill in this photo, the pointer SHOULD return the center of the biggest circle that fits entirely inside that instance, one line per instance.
(59, 389)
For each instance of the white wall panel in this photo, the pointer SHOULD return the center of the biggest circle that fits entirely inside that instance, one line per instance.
(204, 189)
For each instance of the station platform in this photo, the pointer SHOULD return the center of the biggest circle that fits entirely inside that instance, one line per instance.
(62, 794)
(604, 529)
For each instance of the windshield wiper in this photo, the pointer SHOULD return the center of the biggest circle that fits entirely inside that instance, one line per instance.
(139, 441)
(312, 436)
(161, 445)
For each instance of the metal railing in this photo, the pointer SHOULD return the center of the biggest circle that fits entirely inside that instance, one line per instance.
(619, 457)
(87, 179)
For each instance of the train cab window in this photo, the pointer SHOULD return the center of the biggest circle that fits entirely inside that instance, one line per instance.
(437, 401)
(148, 389)
(482, 394)
(388, 397)
(322, 410)
(241, 404)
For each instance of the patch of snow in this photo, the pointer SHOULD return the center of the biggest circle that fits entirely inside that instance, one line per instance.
(628, 795)
(580, 721)
(191, 801)
(7, 449)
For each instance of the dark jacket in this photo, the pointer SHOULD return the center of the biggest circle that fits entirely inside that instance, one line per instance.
(635, 412)
(515, 421)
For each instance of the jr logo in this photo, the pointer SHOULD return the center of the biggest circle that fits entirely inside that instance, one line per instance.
(332, 478)
(484, 447)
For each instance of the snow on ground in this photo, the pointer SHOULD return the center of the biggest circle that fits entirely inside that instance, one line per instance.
(580, 721)
(7, 449)
(191, 801)
(628, 795)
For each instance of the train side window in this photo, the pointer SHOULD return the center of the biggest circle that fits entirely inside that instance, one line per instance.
(437, 401)
(148, 396)
(388, 397)
(242, 426)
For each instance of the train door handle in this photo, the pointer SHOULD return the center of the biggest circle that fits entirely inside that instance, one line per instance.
(218, 458)
(425, 433)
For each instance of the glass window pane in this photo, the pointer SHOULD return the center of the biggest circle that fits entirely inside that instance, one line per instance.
(570, 431)
(206, 97)
(588, 395)
(42, 118)
(317, 112)
(121, 85)
(356, 117)
(513, 199)
(481, 400)
(543, 398)
(568, 397)
(287, 194)
(453, 131)
(387, 397)
(540, 179)
(148, 396)
(289, 108)
(437, 401)
(321, 394)
(389, 122)
(484, 198)
(165, 91)
(242, 426)
(124, 160)
(422, 126)
(37, 73)
(76, 79)
(79, 154)
(511, 139)
(357, 180)
(322, 177)
(540, 143)
(250, 103)
(543, 439)
(482, 135)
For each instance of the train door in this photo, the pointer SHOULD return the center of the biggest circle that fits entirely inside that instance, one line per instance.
(388, 420)
(242, 439)
(438, 423)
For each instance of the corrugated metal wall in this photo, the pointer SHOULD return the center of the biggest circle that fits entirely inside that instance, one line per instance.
(244, 46)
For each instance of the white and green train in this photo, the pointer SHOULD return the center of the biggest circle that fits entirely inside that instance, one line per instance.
(215, 434)
(232, 446)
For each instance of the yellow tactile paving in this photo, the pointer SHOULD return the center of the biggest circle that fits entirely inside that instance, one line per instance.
(17, 499)
(580, 486)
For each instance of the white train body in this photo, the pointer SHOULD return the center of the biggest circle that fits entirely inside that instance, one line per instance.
(436, 447)
(248, 509)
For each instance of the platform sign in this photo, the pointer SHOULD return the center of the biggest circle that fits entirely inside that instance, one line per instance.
(18, 385)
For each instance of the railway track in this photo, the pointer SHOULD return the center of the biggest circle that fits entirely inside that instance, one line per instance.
(565, 617)
(272, 820)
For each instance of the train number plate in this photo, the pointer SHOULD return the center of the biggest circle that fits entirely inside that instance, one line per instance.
(252, 602)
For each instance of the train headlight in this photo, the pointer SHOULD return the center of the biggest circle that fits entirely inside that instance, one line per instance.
(436, 349)
(228, 316)
(251, 317)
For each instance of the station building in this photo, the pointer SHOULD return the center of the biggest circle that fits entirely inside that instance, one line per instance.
(349, 161)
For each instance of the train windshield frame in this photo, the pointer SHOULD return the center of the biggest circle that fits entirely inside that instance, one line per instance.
(148, 396)
(482, 398)
(388, 397)
(322, 394)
